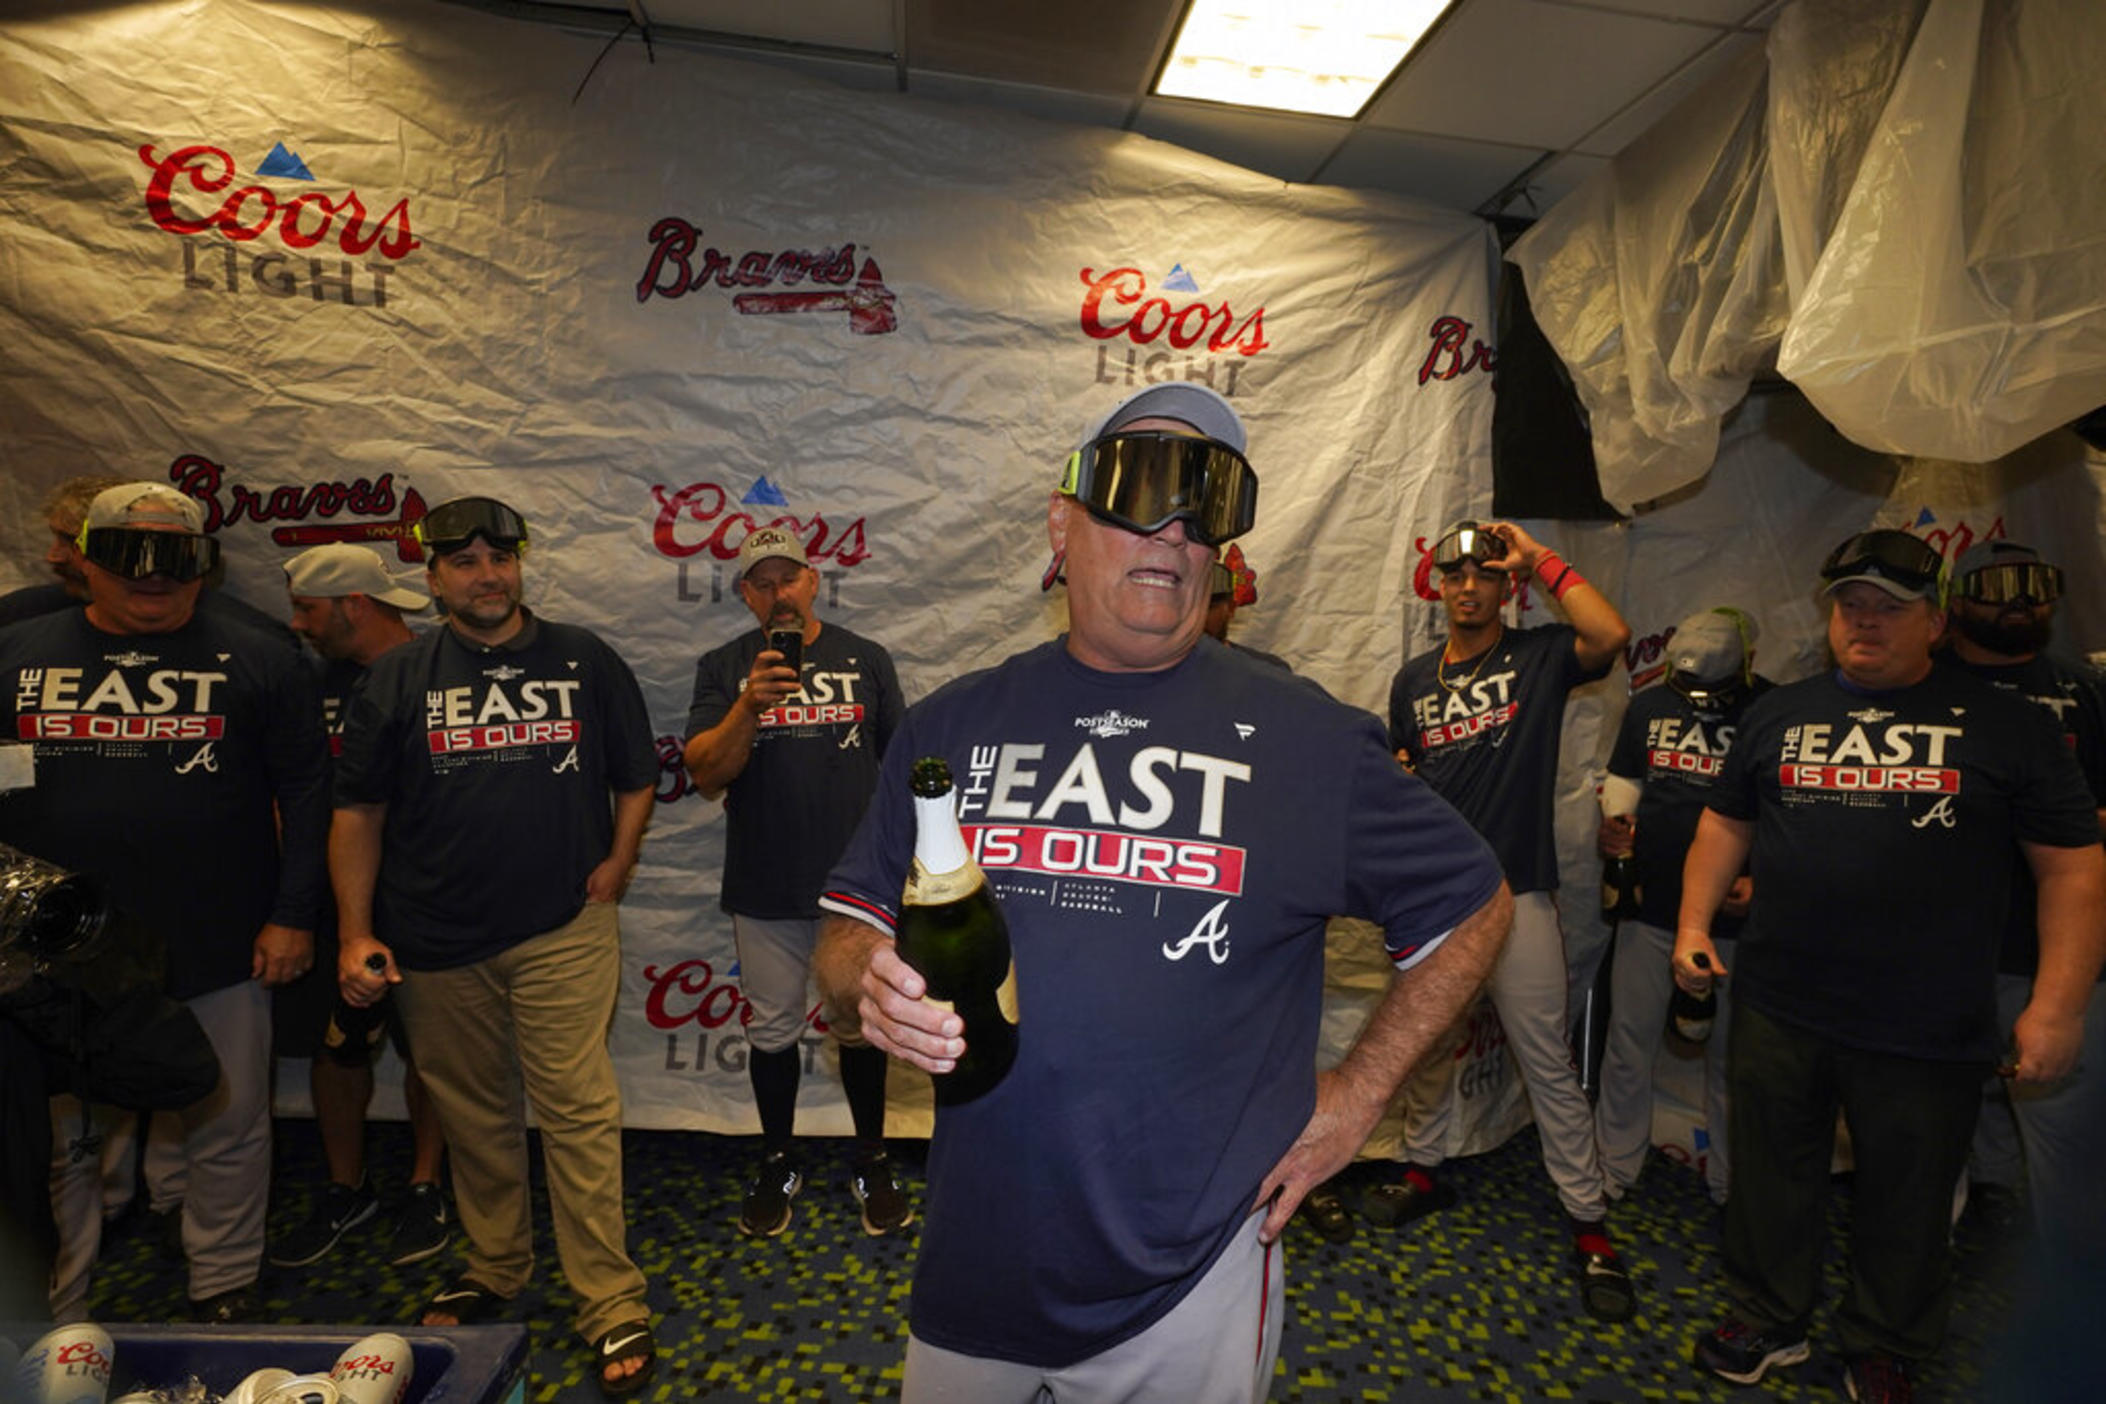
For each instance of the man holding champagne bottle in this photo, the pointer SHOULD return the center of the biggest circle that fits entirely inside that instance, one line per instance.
(1167, 825)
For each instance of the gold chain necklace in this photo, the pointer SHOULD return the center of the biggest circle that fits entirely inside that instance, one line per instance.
(1457, 687)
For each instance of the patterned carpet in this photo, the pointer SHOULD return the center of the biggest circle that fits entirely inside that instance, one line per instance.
(1476, 1303)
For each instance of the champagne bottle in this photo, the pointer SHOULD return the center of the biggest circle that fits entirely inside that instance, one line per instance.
(1619, 887)
(1693, 1013)
(951, 931)
(350, 1024)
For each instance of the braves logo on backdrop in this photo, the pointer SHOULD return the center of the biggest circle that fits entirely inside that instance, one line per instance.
(303, 243)
(1118, 306)
(1454, 351)
(1032, 812)
(389, 521)
(120, 709)
(837, 284)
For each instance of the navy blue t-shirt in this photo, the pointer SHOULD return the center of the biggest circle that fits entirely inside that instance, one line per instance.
(1884, 828)
(2073, 694)
(169, 765)
(1675, 750)
(813, 765)
(1167, 848)
(498, 768)
(1484, 733)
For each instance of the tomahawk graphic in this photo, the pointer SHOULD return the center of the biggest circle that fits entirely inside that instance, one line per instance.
(398, 531)
(868, 304)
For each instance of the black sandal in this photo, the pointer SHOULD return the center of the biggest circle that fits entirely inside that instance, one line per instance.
(467, 1301)
(1605, 1287)
(631, 1340)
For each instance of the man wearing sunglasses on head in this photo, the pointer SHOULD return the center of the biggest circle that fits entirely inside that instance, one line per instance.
(1881, 804)
(1104, 1222)
(491, 796)
(2003, 614)
(1480, 718)
(180, 758)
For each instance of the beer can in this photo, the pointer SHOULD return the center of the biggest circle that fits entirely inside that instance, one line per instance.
(69, 1365)
(375, 1370)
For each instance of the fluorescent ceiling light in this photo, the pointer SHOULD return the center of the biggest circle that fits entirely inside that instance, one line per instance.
(1322, 56)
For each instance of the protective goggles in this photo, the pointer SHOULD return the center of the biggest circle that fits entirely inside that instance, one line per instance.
(452, 525)
(1908, 561)
(1144, 481)
(1710, 694)
(1467, 541)
(2034, 582)
(135, 554)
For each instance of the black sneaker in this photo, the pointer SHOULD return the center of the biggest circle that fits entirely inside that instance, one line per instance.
(421, 1226)
(230, 1308)
(876, 1186)
(766, 1210)
(1401, 1201)
(339, 1210)
(1878, 1379)
(1738, 1352)
(1325, 1212)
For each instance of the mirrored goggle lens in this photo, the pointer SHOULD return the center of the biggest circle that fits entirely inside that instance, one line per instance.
(452, 525)
(1468, 542)
(138, 554)
(1143, 482)
(2031, 581)
(1892, 555)
(1713, 693)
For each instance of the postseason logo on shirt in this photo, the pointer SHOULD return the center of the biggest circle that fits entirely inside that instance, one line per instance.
(1907, 758)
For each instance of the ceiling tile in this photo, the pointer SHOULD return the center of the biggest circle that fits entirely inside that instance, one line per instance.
(1530, 73)
(1724, 13)
(1445, 171)
(1627, 126)
(1053, 104)
(1097, 46)
(1273, 143)
(841, 24)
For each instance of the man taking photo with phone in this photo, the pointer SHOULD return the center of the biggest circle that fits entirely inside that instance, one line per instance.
(788, 723)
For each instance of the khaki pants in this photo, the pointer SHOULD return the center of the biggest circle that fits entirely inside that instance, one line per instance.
(534, 1019)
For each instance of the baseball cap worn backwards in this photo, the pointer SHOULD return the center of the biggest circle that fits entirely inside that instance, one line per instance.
(340, 568)
(1710, 645)
(769, 543)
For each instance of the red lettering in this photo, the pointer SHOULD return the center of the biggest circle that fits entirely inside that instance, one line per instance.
(704, 503)
(1446, 359)
(1186, 325)
(210, 170)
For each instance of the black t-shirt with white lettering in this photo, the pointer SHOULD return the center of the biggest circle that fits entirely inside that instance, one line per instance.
(1884, 831)
(1484, 734)
(1674, 750)
(498, 768)
(166, 765)
(2074, 695)
(814, 763)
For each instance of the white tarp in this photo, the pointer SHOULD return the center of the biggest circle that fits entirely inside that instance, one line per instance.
(327, 266)
(1899, 204)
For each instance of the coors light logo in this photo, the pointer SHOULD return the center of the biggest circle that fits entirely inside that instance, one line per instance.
(1166, 338)
(188, 194)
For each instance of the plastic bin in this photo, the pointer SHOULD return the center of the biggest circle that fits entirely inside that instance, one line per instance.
(456, 1364)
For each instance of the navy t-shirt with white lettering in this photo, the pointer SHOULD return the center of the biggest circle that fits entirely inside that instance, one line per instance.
(813, 764)
(1675, 750)
(2072, 693)
(1167, 848)
(168, 765)
(498, 768)
(1884, 830)
(1484, 733)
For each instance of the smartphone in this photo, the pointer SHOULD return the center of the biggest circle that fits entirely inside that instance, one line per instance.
(790, 644)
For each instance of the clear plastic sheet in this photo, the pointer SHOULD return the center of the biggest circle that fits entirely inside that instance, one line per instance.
(1901, 203)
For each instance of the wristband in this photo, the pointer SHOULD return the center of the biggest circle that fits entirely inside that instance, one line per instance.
(1562, 579)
